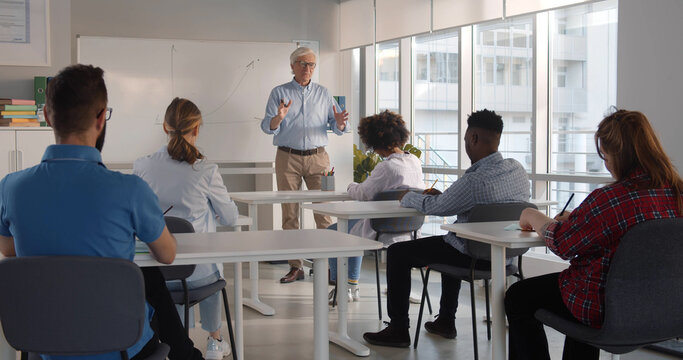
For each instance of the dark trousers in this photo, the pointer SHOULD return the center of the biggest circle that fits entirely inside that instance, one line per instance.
(403, 256)
(166, 322)
(527, 338)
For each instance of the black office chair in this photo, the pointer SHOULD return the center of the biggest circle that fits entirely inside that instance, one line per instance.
(73, 305)
(643, 292)
(480, 251)
(191, 297)
(409, 224)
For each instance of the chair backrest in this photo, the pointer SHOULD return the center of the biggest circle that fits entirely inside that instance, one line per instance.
(644, 288)
(495, 212)
(71, 305)
(396, 225)
(177, 225)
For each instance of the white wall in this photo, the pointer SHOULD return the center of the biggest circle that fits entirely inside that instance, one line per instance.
(649, 74)
(17, 81)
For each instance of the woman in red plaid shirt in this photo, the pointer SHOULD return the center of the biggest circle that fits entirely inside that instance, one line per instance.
(647, 187)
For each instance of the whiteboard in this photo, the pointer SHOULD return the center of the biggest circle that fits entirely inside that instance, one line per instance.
(229, 81)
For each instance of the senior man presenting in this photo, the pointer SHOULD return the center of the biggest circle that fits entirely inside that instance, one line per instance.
(298, 114)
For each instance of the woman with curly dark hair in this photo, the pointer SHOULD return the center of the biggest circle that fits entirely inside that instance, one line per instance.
(386, 134)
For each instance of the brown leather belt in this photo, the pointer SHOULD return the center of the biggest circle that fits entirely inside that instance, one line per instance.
(301, 152)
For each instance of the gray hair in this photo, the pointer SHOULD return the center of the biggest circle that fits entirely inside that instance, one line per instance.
(299, 52)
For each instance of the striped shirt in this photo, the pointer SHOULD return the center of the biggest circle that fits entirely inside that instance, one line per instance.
(490, 180)
(591, 234)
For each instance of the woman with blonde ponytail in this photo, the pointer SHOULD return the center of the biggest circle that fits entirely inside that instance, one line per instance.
(193, 189)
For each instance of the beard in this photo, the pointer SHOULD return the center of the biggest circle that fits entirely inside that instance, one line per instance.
(99, 144)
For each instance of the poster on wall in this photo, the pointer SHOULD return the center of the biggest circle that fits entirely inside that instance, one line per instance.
(25, 33)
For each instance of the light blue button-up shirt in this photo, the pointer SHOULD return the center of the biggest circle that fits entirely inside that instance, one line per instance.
(308, 119)
(490, 180)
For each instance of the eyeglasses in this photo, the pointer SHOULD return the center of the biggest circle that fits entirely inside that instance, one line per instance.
(107, 114)
(304, 64)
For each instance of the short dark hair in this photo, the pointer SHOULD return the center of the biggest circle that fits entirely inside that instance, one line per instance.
(385, 130)
(486, 119)
(74, 98)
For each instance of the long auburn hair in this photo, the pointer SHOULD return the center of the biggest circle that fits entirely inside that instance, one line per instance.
(631, 142)
(182, 117)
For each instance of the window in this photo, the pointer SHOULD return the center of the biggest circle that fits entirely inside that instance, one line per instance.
(503, 83)
(436, 110)
(388, 69)
(583, 83)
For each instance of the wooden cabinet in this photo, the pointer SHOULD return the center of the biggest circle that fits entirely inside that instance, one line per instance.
(21, 149)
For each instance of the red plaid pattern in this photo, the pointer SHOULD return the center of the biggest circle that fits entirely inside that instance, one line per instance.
(590, 236)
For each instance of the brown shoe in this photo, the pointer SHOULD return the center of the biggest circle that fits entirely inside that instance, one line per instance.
(293, 275)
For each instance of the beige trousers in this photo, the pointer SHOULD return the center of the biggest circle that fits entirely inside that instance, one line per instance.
(290, 169)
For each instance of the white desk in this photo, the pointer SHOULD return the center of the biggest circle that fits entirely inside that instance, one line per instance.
(255, 198)
(241, 221)
(493, 233)
(238, 247)
(345, 211)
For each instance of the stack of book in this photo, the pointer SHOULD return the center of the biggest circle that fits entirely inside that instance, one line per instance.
(19, 113)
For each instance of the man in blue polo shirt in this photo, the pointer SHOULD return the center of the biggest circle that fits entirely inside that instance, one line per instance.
(70, 204)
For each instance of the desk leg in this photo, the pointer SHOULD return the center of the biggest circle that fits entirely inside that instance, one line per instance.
(499, 340)
(6, 351)
(320, 312)
(239, 313)
(341, 337)
(253, 301)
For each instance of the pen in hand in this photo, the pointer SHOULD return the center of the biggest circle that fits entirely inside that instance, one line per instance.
(167, 210)
(434, 183)
(565, 205)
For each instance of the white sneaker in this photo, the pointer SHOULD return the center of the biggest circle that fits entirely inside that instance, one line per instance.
(354, 293)
(216, 349)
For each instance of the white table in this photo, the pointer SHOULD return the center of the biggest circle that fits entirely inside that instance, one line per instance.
(238, 247)
(256, 198)
(345, 211)
(494, 233)
(350, 210)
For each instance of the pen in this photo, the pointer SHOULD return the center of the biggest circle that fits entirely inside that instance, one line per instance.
(567, 204)
(434, 183)
(167, 210)
(332, 171)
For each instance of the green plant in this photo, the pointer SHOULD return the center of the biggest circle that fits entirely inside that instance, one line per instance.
(365, 162)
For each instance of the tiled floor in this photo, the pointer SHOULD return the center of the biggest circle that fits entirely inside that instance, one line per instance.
(289, 333)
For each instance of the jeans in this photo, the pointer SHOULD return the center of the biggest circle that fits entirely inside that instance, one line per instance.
(527, 336)
(209, 308)
(353, 263)
(166, 322)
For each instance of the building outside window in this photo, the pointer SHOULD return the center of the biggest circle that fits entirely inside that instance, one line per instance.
(503, 81)
(388, 74)
(583, 50)
(436, 108)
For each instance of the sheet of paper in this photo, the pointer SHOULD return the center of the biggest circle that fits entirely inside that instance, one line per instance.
(513, 227)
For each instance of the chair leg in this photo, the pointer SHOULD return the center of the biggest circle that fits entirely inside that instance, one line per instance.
(379, 291)
(474, 322)
(488, 311)
(187, 307)
(231, 334)
(334, 295)
(429, 303)
(422, 305)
